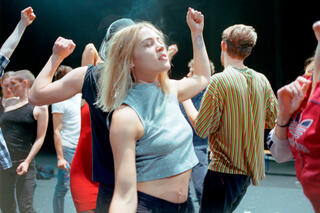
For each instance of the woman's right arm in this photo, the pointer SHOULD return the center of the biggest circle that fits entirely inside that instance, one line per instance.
(43, 90)
(90, 55)
(125, 130)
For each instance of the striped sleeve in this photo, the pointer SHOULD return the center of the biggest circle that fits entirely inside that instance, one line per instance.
(209, 114)
(271, 106)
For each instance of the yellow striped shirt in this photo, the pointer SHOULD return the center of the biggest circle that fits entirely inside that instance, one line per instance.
(236, 108)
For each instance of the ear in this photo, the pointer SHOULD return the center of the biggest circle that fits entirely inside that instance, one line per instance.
(223, 46)
(25, 82)
(131, 65)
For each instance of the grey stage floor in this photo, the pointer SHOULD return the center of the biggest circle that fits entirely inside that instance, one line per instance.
(279, 192)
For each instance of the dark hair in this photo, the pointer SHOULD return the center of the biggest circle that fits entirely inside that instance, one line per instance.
(61, 71)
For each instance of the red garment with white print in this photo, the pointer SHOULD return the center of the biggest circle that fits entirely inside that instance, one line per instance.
(304, 139)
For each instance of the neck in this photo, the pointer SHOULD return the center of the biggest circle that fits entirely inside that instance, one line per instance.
(233, 62)
(151, 79)
(17, 105)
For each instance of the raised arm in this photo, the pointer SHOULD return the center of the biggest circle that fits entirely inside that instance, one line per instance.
(172, 51)
(42, 117)
(189, 87)
(90, 55)
(316, 29)
(43, 90)
(27, 17)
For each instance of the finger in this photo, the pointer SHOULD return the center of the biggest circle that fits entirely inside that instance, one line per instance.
(297, 89)
(316, 29)
(306, 86)
(58, 39)
(26, 9)
(302, 80)
(189, 13)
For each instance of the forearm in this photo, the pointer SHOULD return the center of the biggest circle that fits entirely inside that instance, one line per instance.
(126, 203)
(279, 148)
(43, 80)
(201, 59)
(12, 42)
(191, 111)
(317, 63)
(35, 149)
(282, 120)
(58, 146)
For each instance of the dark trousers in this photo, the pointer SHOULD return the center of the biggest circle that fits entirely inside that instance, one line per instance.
(197, 177)
(104, 198)
(223, 192)
(11, 182)
(151, 204)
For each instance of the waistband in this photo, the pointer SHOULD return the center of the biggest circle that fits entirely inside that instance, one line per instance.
(151, 202)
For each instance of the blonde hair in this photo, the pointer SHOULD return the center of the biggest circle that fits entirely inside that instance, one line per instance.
(212, 68)
(309, 66)
(240, 40)
(25, 75)
(116, 78)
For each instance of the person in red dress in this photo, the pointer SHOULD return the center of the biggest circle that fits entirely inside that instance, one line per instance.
(83, 190)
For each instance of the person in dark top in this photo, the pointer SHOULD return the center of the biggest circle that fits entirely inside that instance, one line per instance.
(82, 79)
(24, 128)
(200, 147)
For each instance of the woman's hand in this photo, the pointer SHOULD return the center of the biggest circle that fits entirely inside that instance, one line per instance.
(290, 98)
(195, 20)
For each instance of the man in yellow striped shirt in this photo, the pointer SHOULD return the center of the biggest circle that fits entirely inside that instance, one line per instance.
(237, 106)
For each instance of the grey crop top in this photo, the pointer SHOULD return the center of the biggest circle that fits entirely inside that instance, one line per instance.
(166, 147)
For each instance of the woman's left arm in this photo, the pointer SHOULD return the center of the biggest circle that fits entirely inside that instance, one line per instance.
(189, 87)
(316, 29)
(40, 113)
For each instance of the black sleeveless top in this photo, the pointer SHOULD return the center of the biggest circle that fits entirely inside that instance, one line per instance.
(19, 130)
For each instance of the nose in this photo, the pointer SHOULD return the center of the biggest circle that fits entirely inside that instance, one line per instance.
(160, 47)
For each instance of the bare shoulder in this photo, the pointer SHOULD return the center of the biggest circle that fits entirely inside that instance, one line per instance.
(125, 114)
(126, 121)
(40, 110)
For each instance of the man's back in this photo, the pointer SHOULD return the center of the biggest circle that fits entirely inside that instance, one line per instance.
(238, 105)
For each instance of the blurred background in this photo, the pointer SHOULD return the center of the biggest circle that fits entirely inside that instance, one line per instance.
(285, 36)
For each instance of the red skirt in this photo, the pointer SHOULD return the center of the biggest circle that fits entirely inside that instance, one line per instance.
(83, 190)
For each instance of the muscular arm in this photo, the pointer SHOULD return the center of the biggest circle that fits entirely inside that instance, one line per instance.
(41, 115)
(43, 90)
(125, 130)
(189, 87)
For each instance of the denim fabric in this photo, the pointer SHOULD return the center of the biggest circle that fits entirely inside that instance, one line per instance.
(3, 64)
(150, 204)
(63, 182)
(223, 192)
(197, 177)
(23, 187)
(5, 159)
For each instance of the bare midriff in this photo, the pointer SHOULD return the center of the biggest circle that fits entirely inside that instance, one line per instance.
(173, 189)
